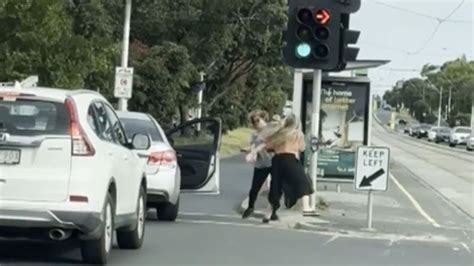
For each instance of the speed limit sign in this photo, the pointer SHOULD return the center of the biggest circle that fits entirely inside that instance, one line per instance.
(123, 82)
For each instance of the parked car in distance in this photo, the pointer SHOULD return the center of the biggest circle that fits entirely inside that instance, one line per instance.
(470, 142)
(68, 171)
(459, 136)
(422, 131)
(432, 133)
(414, 130)
(186, 158)
(442, 134)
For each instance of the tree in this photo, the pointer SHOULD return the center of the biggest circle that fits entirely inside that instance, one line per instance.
(38, 39)
(228, 42)
(162, 80)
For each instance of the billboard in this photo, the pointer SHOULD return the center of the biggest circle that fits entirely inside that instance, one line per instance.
(343, 126)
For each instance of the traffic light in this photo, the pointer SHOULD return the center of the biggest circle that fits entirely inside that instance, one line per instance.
(313, 36)
(348, 38)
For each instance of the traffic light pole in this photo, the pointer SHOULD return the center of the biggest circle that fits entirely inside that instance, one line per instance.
(315, 122)
(123, 103)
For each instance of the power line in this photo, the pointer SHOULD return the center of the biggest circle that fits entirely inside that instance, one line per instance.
(423, 14)
(440, 22)
(400, 70)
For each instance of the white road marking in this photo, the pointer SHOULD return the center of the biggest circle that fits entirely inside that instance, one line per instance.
(466, 247)
(332, 239)
(415, 202)
(353, 235)
(210, 215)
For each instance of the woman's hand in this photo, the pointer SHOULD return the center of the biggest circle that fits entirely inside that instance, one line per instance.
(251, 157)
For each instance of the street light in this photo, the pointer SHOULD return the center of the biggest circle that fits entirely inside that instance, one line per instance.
(440, 92)
(123, 103)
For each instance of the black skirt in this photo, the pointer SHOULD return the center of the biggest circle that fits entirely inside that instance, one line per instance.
(289, 177)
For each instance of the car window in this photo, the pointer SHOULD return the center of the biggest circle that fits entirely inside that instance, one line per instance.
(117, 132)
(103, 126)
(33, 118)
(93, 121)
(463, 130)
(140, 126)
(199, 134)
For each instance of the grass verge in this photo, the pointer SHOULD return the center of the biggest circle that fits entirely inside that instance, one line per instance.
(234, 141)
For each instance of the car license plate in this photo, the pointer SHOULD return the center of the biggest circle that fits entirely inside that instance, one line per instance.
(10, 156)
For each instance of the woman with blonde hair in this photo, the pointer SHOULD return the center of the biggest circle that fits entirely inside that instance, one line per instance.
(288, 175)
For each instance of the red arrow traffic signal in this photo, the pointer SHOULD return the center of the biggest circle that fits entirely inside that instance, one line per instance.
(322, 16)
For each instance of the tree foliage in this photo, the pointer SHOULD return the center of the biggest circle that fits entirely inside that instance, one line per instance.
(76, 43)
(456, 76)
(38, 38)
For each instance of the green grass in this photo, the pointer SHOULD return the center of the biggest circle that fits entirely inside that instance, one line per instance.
(234, 141)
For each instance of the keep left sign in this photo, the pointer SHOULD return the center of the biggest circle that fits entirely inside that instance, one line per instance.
(372, 168)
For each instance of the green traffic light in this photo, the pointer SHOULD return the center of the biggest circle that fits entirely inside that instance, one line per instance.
(303, 50)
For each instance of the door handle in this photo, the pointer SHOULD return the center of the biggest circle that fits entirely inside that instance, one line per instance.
(110, 153)
(125, 158)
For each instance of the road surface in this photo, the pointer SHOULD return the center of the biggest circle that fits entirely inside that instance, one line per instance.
(209, 232)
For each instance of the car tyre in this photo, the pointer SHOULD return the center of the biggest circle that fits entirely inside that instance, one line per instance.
(452, 144)
(468, 148)
(97, 251)
(167, 211)
(133, 238)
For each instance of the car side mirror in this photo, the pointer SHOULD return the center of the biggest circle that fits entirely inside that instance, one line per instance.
(141, 142)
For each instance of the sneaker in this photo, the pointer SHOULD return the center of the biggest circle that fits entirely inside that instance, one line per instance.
(247, 213)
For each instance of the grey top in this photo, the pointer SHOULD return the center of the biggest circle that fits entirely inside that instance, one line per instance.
(264, 158)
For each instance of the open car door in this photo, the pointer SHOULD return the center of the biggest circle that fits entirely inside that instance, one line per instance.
(197, 144)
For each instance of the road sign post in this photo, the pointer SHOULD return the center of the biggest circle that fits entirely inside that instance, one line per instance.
(372, 172)
(123, 101)
(123, 83)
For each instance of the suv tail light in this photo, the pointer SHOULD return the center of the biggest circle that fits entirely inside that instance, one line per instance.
(164, 158)
(81, 146)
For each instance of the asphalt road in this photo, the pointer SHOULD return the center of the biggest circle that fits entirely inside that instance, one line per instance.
(385, 117)
(209, 232)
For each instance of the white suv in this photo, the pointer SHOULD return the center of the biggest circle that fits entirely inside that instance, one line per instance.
(67, 170)
(459, 136)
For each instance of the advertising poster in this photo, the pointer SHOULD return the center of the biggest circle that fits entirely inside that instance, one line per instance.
(343, 126)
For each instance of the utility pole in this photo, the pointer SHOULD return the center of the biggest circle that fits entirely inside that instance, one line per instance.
(123, 103)
(440, 106)
(448, 114)
(200, 96)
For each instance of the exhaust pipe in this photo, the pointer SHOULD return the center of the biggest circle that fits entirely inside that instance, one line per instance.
(59, 234)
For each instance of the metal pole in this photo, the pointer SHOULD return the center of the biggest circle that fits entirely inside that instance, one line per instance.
(200, 95)
(297, 93)
(450, 101)
(123, 103)
(440, 106)
(315, 116)
(472, 112)
(369, 211)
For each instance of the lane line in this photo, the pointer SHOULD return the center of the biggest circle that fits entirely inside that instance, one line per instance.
(415, 202)
(466, 247)
(211, 215)
(332, 239)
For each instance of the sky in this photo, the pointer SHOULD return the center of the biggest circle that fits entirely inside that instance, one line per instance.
(412, 33)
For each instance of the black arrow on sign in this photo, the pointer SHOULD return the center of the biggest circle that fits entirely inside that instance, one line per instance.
(367, 181)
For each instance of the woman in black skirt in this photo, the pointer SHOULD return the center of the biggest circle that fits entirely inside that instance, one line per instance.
(288, 175)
